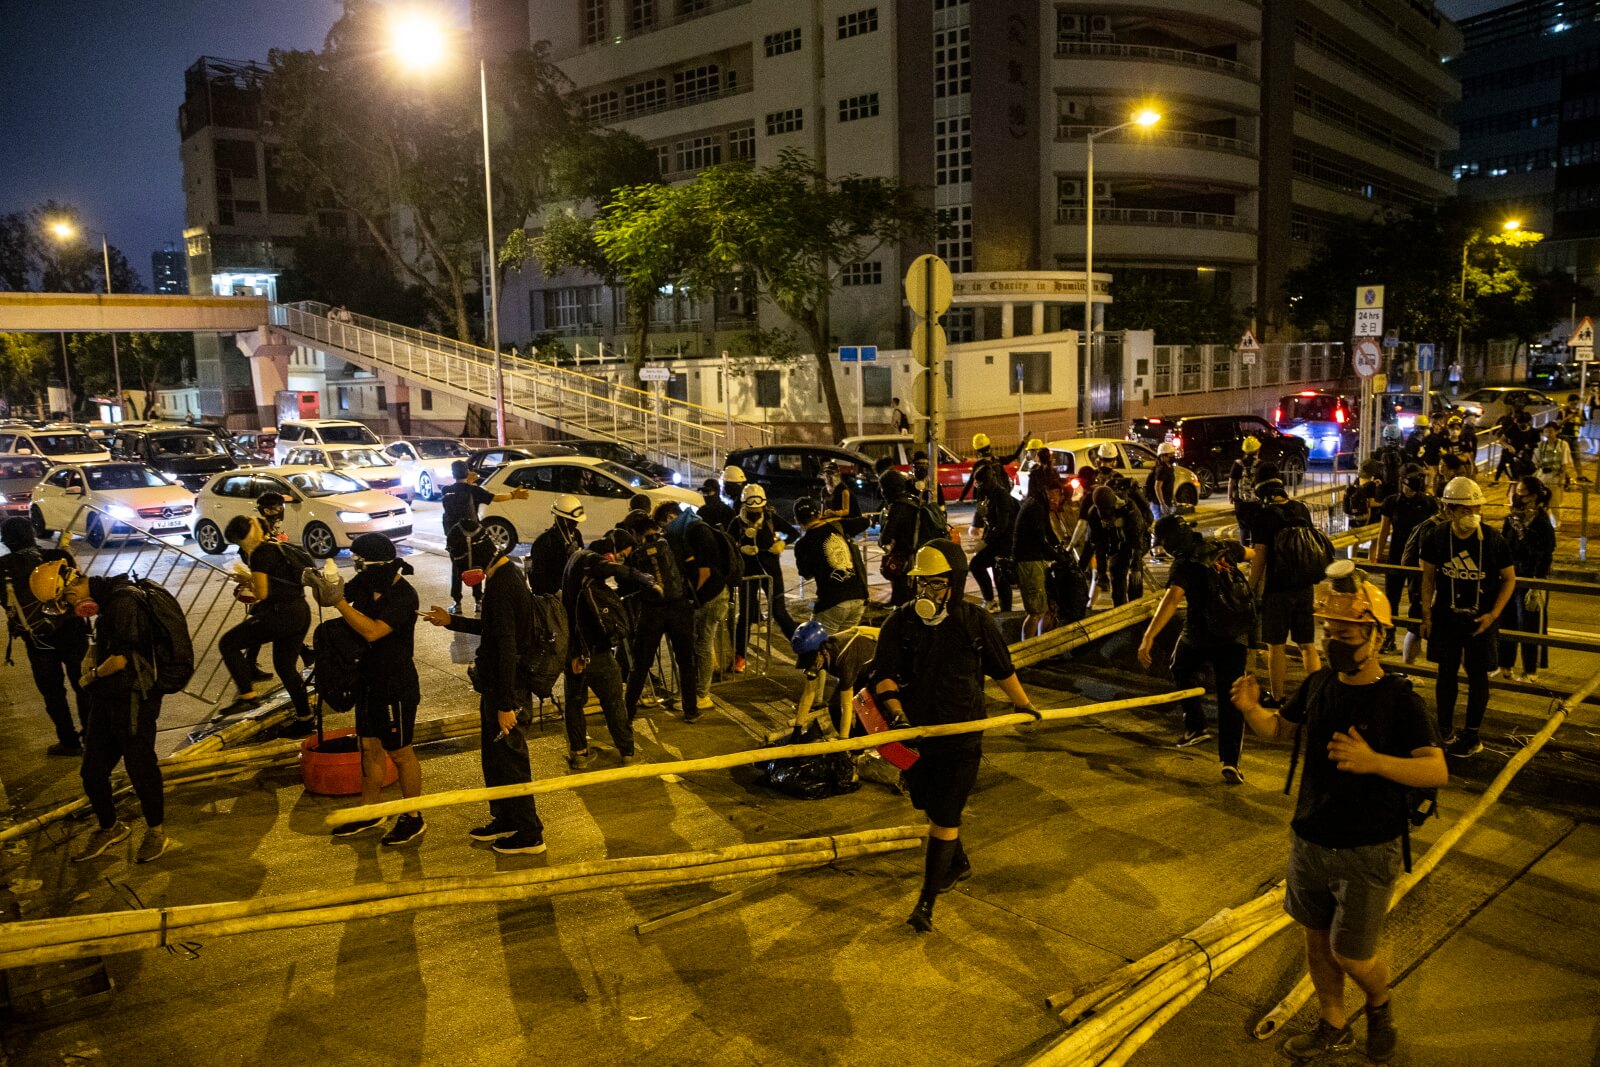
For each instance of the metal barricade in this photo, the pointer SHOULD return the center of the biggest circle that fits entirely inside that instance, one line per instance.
(751, 588)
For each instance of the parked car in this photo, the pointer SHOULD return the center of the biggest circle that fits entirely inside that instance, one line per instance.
(1494, 401)
(294, 433)
(604, 487)
(1404, 407)
(1553, 375)
(488, 460)
(19, 476)
(57, 444)
(1152, 430)
(789, 472)
(617, 452)
(1134, 459)
(255, 446)
(190, 455)
(126, 499)
(1325, 421)
(1209, 444)
(899, 448)
(367, 465)
(323, 509)
(425, 463)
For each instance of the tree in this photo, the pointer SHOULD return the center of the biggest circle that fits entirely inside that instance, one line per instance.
(19, 250)
(342, 272)
(1178, 314)
(26, 360)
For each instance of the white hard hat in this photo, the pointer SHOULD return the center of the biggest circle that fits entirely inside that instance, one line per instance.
(732, 474)
(1166, 448)
(1107, 451)
(754, 496)
(568, 506)
(1462, 490)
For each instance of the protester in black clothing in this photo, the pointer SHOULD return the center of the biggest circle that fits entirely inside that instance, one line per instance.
(470, 548)
(1242, 478)
(1367, 740)
(1034, 546)
(278, 615)
(592, 642)
(1403, 512)
(1531, 538)
(699, 550)
(1116, 531)
(1286, 608)
(898, 532)
(380, 605)
(827, 559)
(460, 500)
(1417, 441)
(505, 628)
(549, 552)
(1363, 498)
(988, 469)
(1468, 578)
(845, 658)
(269, 507)
(120, 700)
(715, 510)
(840, 503)
(1208, 640)
(996, 519)
(929, 668)
(755, 532)
(55, 644)
(666, 612)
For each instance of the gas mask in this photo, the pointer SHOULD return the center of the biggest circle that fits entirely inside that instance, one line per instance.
(473, 577)
(1346, 658)
(933, 600)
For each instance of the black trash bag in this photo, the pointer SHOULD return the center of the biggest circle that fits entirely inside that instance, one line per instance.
(810, 777)
(1069, 588)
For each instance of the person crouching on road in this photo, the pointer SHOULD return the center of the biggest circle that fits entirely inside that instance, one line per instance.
(505, 628)
(846, 657)
(279, 616)
(55, 644)
(1367, 741)
(826, 558)
(382, 607)
(594, 632)
(931, 660)
(120, 700)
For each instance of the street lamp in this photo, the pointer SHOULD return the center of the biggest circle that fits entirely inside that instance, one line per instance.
(1508, 226)
(64, 230)
(1146, 117)
(418, 41)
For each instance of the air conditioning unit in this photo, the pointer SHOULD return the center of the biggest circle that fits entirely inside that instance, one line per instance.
(1070, 191)
(1100, 28)
(1071, 27)
(1102, 192)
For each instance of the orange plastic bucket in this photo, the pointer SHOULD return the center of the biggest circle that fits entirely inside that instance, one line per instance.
(334, 769)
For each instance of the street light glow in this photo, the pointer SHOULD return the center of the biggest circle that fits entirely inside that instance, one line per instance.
(417, 39)
(1147, 117)
(1511, 224)
(63, 229)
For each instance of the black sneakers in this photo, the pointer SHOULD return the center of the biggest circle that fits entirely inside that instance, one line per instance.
(1193, 737)
(1231, 775)
(921, 918)
(492, 832)
(521, 843)
(1465, 744)
(960, 871)
(361, 826)
(1325, 1038)
(406, 829)
(1382, 1038)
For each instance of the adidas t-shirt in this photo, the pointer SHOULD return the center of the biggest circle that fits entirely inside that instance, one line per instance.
(1469, 567)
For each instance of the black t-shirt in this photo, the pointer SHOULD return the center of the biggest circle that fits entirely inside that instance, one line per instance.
(461, 500)
(122, 628)
(940, 669)
(1469, 568)
(1405, 514)
(1193, 577)
(1339, 809)
(284, 588)
(388, 667)
(1264, 527)
(823, 556)
(851, 655)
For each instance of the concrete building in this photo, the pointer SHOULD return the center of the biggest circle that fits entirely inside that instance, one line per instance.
(168, 271)
(1276, 118)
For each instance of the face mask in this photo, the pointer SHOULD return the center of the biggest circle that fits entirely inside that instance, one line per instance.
(86, 609)
(473, 577)
(932, 612)
(1344, 658)
(1465, 525)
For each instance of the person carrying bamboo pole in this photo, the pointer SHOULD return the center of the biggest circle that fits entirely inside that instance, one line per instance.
(381, 607)
(1368, 742)
(931, 660)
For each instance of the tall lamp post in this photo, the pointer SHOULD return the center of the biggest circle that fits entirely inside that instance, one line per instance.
(1508, 226)
(1145, 117)
(66, 231)
(418, 41)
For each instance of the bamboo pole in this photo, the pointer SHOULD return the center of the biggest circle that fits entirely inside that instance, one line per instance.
(1075, 635)
(1297, 997)
(232, 733)
(742, 759)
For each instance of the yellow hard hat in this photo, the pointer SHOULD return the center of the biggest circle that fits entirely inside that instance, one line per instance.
(48, 581)
(1422, 422)
(1348, 597)
(980, 441)
(1033, 443)
(1250, 444)
(929, 562)
(1454, 420)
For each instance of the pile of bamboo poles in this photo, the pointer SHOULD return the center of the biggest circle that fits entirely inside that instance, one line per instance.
(744, 759)
(1113, 1017)
(73, 937)
(1073, 635)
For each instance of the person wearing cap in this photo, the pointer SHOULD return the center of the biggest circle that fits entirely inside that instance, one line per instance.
(381, 606)
(279, 615)
(1468, 577)
(845, 657)
(715, 510)
(549, 552)
(988, 468)
(1402, 513)
(1161, 484)
(1367, 742)
(1242, 478)
(461, 500)
(755, 532)
(55, 644)
(119, 700)
(839, 502)
(995, 521)
(1286, 609)
(825, 556)
(733, 483)
(929, 668)
(1417, 439)
(592, 645)
(504, 629)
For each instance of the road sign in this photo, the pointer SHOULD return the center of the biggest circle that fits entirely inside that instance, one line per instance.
(919, 339)
(924, 271)
(858, 354)
(1369, 296)
(655, 374)
(1369, 322)
(1247, 359)
(1368, 357)
(1248, 343)
(1425, 357)
(1391, 339)
(1583, 336)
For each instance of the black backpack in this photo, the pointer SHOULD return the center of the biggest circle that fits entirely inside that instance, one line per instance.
(606, 604)
(1231, 612)
(931, 525)
(299, 559)
(1300, 552)
(655, 557)
(336, 670)
(545, 659)
(455, 502)
(1420, 804)
(1411, 554)
(732, 563)
(171, 650)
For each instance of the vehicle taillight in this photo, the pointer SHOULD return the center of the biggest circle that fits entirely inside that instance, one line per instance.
(1339, 416)
(1153, 422)
(1308, 392)
(1075, 485)
(1177, 441)
(1277, 415)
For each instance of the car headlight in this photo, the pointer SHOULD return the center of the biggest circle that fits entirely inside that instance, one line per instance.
(122, 511)
(4, 499)
(354, 516)
(677, 479)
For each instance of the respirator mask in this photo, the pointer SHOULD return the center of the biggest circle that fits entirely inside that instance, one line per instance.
(933, 600)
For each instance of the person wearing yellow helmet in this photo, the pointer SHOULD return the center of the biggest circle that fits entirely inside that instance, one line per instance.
(929, 668)
(1368, 743)
(55, 644)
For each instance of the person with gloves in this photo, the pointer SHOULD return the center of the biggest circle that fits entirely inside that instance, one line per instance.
(55, 644)
(755, 531)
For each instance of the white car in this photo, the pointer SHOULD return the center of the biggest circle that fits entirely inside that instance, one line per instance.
(109, 501)
(604, 487)
(57, 444)
(365, 465)
(323, 510)
(1495, 401)
(1134, 459)
(425, 463)
(332, 433)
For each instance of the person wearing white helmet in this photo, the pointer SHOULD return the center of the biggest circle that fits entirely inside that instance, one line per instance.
(733, 483)
(1161, 486)
(547, 556)
(1468, 578)
(1367, 744)
(755, 532)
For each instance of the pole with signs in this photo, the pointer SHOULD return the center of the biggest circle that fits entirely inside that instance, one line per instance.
(1022, 404)
(1368, 358)
(1582, 345)
(1426, 359)
(727, 406)
(1248, 349)
(930, 290)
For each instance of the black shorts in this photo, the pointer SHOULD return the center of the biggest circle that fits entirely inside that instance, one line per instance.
(941, 780)
(392, 722)
(1289, 615)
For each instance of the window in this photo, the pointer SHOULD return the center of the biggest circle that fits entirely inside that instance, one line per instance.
(696, 83)
(594, 20)
(289, 432)
(1030, 371)
(641, 14)
(427, 400)
(955, 246)
(742, 143)
(877, 385)
(870, 273)
(858, 22)
(782, 42)
(852, 108)
(792, 120)
(691, 8)
(566, 309)
(235, 485)
(663, 166)
(603, 107)
(952, 62)
(697, 153)
(952, 150)
(644, 96)
(769, 389)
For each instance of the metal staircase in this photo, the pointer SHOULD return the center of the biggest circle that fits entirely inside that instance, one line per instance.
(684, 436)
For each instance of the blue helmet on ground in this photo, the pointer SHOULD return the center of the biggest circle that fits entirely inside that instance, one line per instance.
(809, 637)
